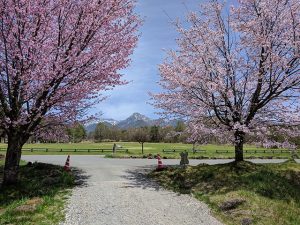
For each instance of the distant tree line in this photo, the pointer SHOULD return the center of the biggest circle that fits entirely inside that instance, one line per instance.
(70, 133)
(104, 132)
(76, 133)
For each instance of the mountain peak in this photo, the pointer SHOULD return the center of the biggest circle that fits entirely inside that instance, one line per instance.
(138, 116)
(133, 121)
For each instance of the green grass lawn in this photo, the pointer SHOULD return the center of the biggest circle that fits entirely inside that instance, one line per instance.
(134, 150)
(39, 197)
(241, 194)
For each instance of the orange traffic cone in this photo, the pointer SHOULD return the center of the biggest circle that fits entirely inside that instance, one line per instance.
(160, 165)
(67, 164)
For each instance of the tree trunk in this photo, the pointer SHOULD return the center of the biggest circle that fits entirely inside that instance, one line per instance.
(239, 144)
(142, 147)
(12, 159)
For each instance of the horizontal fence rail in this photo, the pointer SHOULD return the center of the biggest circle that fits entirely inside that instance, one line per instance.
(172, 150)
(268, 151)
(198, 150)
(69, 150)
(257, 151)
(224, 151)
(181, 150)
(275, 151)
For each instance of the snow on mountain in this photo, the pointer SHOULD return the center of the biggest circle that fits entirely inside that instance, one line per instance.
(133, 121)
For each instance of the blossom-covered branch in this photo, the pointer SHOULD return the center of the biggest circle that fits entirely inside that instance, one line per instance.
(236, 70)
(56, 56)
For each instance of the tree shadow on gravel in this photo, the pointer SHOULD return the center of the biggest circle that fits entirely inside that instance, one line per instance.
(80, 177)
(138, 178)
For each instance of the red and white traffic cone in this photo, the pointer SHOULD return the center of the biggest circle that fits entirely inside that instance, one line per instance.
(67, 164)
(160, 165)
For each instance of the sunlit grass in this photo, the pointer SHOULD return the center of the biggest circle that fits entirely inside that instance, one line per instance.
(134, 150)
(39, 198)
(270, 194)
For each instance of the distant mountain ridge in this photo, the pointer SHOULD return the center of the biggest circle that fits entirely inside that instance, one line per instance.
(133, 121)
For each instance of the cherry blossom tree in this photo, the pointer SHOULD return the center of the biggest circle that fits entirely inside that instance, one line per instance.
(56, 56)
(236, 69)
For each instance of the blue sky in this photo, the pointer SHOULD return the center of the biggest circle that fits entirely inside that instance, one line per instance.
(157, 34)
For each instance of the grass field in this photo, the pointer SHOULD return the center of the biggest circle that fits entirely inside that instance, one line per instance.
(38, 198)
(241, 194)
(134, 150)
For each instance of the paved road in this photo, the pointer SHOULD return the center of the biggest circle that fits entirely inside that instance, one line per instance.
(117, 193)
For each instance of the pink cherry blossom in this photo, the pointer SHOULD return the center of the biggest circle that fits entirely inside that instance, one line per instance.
(235, 71)
(56, 58)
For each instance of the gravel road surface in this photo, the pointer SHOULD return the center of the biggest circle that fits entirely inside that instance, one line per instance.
(116, 192)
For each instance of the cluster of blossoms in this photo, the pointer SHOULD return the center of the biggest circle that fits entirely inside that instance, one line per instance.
(58, 56)
(236, 71)
(274, 144)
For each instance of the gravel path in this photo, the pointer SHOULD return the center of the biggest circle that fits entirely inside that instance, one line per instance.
(116, 192)
(133, 201)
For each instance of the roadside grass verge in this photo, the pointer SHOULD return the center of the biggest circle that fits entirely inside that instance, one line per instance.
(39, 197)
(243, 193)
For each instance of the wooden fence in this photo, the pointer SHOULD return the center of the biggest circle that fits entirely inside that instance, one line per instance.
(273, 151)
(69, 150)
(102, 150)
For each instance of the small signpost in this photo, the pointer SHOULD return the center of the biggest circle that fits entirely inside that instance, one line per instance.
(114, 148)
(184, 159)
